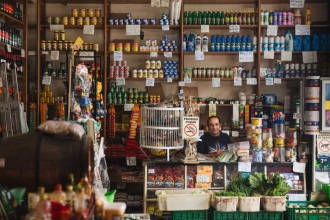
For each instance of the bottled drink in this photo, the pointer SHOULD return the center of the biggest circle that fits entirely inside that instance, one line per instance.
(194, 18)
(231, 18)
(190, 18)
(204, 17)
(239, 18)
(308, 15)
(199, 17)
(222, 18)
(217, 18)
(70, 196)
(209, 18)
(226, 18)
(185, 18)
(213, 18)
(43, 208)
(235, 18)
(58, 195)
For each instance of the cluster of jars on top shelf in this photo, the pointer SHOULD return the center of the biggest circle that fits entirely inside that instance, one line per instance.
(79, 17)
(222, 72)
(142, 21)
(220, 18)
(51, 71)
(284, 17)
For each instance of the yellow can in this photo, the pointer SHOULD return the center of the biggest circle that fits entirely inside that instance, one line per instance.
(119, 47)
(79, 21)
(135, 47)
(49, 45)
(43, 45)
(56, 35)
(93, 21)
(62, 35)
(59, 45)
(74, 12)
(127, 47)
(111, 47)
(65, 21)
(90, 12)
(82, 13)
(100, 21)
(86, 21)
(54, 45)
(72, 21)
(98, 12)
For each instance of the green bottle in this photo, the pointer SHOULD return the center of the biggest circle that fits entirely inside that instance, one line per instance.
(213, 18)
(217, 18)
(204, 17)
(185, 17)
(222, 18)
(226, 18)
(231, 18)
(209, 17)
(194, 18)
(189, 18)
(199, 17)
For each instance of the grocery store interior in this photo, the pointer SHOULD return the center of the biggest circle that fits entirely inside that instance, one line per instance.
(164, 109)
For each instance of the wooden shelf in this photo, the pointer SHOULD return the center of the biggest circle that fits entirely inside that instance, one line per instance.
(146, 52)
(210, 79)
(150, 26)
(298, 52)
(11, 20)
(12, 47)
(219, 53)
(315, 26)
(144, 79)
(288, 2)
(67, 27)
(198, 26)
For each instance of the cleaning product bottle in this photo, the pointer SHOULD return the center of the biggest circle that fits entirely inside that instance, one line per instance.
(222, 43)
(233, 43)
(308, 17)
(292, 71)
(277, 44)
(288, 41)
(254, 43)
(315, 42)
(284, 18)
(238, 43)
(228, 43)
(243, 43)
(279, 18)
(297, 46)
(261, 44)
(191, 42)
(248, 43)
(198, 43)
(286, 73)
(262, 17)
(297, 71)
(184, 45)
(282, 43)
(213, 43)
(265, 43)
(279, 71)
(271, 43)
(205, 43)
(218, 43)
(306, 43)
(275, 17)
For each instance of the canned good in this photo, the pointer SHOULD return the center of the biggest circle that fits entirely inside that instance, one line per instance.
(65, 20)
(48, 45)
(79, 21)
(134, 73)
(119, 47)
(147, 64)
(90, 12)
(43, 45)
(160, 73)
(56, 35)
(72, 21)
(135, 47)
(156, 74)
(94, 21)
(150, 73)
(86, 21)
(49, 20)
(140, 73)
(111, 47)
(82, 13)
(54, 45)
(74, 12)
(127, 47)
(62, 35)
(90, 46)
(158, 64)
(152, 64)
(70, 44)
(65, 45)
(97, 12)
(100, 21)
(56, 20)
(59, 45)
(145, 73)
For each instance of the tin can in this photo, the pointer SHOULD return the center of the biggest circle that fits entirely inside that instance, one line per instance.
(79, 21)
(135, 47)
(82, 12)
(56, 35)
(99, 21)
(48, 45)
(56, 20)
(97, 12)
(90, 46)
(65, 45)
(140, 73)
(74, 12)
(96, 47)
(65, 20)
(90, 12)
(59, 45)
(156, 73)
(62, 35)
(127, 47)
(70, 44)
(145, 73)
(94, 21)
(86, 21)
(152, 64)
(49, 20)
(111, 47)
(54, 45)
(158, 64)
(134, 73)
(43, 45)
(150, 73)
(119, 47)
(72, 21)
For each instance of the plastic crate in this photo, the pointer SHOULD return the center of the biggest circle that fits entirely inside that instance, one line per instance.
(305, 213)
(190, 215)
(230, 215)
(263, 215)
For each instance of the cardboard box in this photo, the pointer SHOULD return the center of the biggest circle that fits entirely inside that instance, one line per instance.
(203, 185)
(205, 169)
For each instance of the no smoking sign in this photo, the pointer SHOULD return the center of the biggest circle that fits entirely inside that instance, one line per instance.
(190, 127)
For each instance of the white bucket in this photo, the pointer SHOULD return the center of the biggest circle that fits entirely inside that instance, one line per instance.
(249, 204)
(274, 203)
(225, 203)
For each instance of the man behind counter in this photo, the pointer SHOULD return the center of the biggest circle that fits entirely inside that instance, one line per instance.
(215, 141)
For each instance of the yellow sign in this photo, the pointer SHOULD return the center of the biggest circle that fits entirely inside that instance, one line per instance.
(77, 44)
(327, 105)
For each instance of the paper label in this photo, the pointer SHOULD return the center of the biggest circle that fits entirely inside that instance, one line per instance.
(165, 27)
(169, 79)
(153, 54)
(46, 80)
(150, 82)
(57, 27)
(45, 52)
(205, 28)
(297, 3)
(299, 167)
(286, 55)
(309, 56)
(22, 53)
(303, 30)
(118, 55)
(277, 81)
(234, 28)
(133, 29)
(181, 83)
(55, 55)
(168, 54)
(120, 81)
(77, 44)
(131, 161)
(251, 81)
(164, 3)
(8, 48)
(244, 167)
(151, 171)
(235, 134)
(155, 3)
(272, 30)
(245, 56)
(199, 55)
(89, 29)
(237, 81)
(190, 127)
(269, 81)
(269, 55)
(128, 107)
(216, 82)
(187, 80)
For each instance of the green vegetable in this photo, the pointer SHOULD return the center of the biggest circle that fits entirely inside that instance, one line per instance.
(240, 185)
(228, 193)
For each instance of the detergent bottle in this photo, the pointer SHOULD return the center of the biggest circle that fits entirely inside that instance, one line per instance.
(288, 41)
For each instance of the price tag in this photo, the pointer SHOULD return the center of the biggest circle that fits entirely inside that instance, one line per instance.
(299, 167)
(297, 3)
(155, 3)
(187, 80)
(56, 27)
(45, 52)
(269, 55)
(286, 55)
(54, 55)
(164, 3)
(133, 29)
(309, 56)
(168, 54)
(86, 54)
(263, 72)
(8, 48)
(303, 30)
(237, 81)
(131, 161)
(153, 54)
(120, 81)
(22, 53)
(235, 134)
(118, 55)
(251, 81)
(272, 30)
(165, 27)
(297, 197)
(46, 80)
(181, 83)
(89, 29)
(216, 82)
(205, 28)
(150, 82)
(234, 28)
(151, 171)
(128, 107)
(269, 81)
(245, 56)
(244, 167)
(296, 116)
(169, 79)
(199, 55)
(277, 81)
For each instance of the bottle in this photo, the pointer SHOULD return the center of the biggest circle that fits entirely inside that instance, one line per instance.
(208, 18)
(286, 73)
(226, 18)
(223, 43)
(277, 43)
(239, 18)
(306, 43)
(233, 43)
(270, 18)
(185, 18)
(231, 18)
(315, 42)
(228, 43)
(199, 17)
(204, 17)
(217, 18)
(254, 43)
(248, 43)
(198, 43)
(262, 17)
(308, 17)
(288, 41)
(235, 18)
(279, 71)
(43, 208)
(244, 18)
(70, 196)
(213, 43)
(194, 18)
(282, 43)
(83, 183)
(297, 16)
(265, 43)
(261, 44)
(292, 73)
(58, 195)
(323, 42)
(271, 43)
(205, 43)
(191, 42)
(189, 18)
(243, 43)
(284, 18)
(266, 17)
(184, 45)
(275, 17)
(80, 202)
(297, 43)
(213, 18)
(219, 44)
(279, 18)
(222, 18)
(238, 43)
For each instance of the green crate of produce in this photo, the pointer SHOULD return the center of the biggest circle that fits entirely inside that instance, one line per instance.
(263, 215)
(230, 215)
(190, 215)
(307, 210)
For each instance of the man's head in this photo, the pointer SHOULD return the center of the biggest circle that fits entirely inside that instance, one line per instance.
(214, 125)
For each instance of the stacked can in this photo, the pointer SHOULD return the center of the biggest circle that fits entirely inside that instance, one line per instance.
(279, 136)
(117, 95)
(137, 97)
(129, 20)
(168, 45)
(119, 69)
(312, 105)
(171, 69)
(256, 139)
(151, 45)
(291, 142)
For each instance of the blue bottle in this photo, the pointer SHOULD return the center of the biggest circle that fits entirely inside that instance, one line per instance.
(279, 71)
(243, 43)
(315, 42)
(191, 42)
(248, 43)
(228, 43)
(213, 43)
(297, 43)
(306, 43)
(233, 43)
(184, 46)
(218, 43)
(323, 42)
(238, 43)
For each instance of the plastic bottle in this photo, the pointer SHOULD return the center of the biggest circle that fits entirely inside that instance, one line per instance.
(254, 43)
(213, 43)
(226, 18)
(297, 45)
(205, 43)
(297, 70)
(217, 18)
(288, 41)
(222, 43)
(70, 196)
(297, 16)
(286, 71)
(191, 42)
(315, 42)
(184, 46)
(243, 43)
(235, 18)
(189, 18)
(282, 43)
(58, 195)
(222, 18)
(213, 18)
(271, 43)
(248, 43)
(80, 201)
(185, 17)
(279, 18)
(279, 71)
(199, 17)
(308, 17)
(265, 43)
(43, 208)
(238, 43)
(228, 43)
(306, 43)
(239, 18)
(271, 18)
(198, 43)
(275, 18)
(277, 44)
(204, 17)
(292, 71)
(194, 18)
(233, 43)
(209, 18)
(266, 17)
(284, 18)
(261, 44)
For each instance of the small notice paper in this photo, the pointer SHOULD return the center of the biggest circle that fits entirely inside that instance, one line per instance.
(169, 79)
(118, 55)
(150, 82)
(182, 84)
(133, 29)
(244, 167)
(251, 81)
(46, 80)
(205, 28)
(269, 55)
(165, 27)
(54, 55)
(22, 53)
(269, 81)
(237, 81)
(120, 81)
(56, 27)
(303, 30)
(245, 56)
(277, 81)
(153, 54)
(216, 82)
(168, 54)
(309, 56)
(155, 3)
(286, 55)
(297, 3)
(187, 80)
(199, 55)
(131, 161)
(128, 107)
(89, 29)
(234, 28)
(299, 167)
(272, 30)
(8, 48)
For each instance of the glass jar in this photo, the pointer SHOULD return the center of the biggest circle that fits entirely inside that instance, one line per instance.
(279, 134)
(93, 21)
(86, 21)
(82, 13)
(90, 12)
(65, 45)
(303, 151)
(267, 138)
(79, 21)
(74, 12)
(291, 137)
